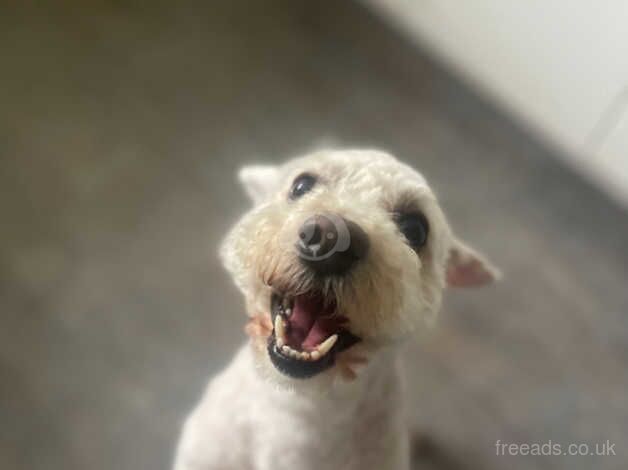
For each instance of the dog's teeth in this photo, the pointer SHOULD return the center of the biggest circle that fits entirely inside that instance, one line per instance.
(288, 351)
(301, 355)
(280, 332)
(326, 345)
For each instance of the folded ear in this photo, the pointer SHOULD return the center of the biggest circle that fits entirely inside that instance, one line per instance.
(259, 181)
(468, 268)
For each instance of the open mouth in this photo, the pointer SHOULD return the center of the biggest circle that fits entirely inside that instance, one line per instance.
(308, 333)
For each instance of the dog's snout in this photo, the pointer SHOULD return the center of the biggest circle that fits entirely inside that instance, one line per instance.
(330, 244)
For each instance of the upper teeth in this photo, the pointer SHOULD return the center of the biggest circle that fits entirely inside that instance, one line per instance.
(286, 307)
(280, 332)
(314, 355)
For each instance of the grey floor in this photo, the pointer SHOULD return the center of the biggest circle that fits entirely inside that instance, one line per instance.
(120, 130)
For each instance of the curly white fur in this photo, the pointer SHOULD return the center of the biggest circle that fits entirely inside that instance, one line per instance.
(253, 417)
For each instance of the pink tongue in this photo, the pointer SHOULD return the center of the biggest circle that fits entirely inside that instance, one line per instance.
(311, 322)
(323, 328)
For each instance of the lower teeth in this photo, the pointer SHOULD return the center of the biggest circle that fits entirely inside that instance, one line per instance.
(286, 350)
(301, 355)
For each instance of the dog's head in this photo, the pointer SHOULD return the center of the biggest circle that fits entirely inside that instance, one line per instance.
(342, 248)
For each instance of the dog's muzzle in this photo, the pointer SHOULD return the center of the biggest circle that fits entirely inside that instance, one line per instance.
(330, 244)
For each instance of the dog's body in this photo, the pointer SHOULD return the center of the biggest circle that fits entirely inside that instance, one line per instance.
(344, 255)
(247, 422)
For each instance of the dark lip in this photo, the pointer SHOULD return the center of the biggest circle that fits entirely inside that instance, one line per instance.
(296, 368)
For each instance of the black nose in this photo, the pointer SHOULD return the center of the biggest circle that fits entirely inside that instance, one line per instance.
(330, 244)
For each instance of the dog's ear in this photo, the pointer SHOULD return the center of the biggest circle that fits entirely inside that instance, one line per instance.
(468, 268)
(258, 181)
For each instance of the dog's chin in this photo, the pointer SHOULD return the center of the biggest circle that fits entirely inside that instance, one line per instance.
(308, 333)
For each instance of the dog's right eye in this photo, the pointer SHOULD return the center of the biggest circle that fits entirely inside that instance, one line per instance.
(414, 227)
(301, 185)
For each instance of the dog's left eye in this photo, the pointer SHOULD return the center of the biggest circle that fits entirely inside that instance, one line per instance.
(414, 227)
(301, 185)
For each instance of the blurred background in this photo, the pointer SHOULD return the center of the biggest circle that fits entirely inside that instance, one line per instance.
(121, 128)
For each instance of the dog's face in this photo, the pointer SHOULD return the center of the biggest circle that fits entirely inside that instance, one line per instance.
(342, 248)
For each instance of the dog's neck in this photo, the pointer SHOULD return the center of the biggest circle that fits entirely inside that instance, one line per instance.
(313, 424)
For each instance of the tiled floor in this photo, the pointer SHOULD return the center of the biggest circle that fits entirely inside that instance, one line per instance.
(120, 130)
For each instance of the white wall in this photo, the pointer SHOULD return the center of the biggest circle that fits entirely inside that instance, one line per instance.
(560, 66)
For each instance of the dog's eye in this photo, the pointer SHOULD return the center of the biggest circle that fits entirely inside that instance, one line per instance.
(414, 227)
(301, 185)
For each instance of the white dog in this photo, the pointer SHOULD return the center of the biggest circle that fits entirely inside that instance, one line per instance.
(344, 254)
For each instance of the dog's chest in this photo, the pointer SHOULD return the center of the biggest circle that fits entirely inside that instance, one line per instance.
(364, 431)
